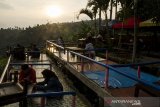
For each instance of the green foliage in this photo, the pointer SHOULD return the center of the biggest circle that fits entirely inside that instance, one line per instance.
(146, 9)
(40, 33)
(149, 9)
(87, 12)
(3, 62)
(84, 29)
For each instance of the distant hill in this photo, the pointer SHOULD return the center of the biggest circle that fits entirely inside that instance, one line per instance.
(39, 33)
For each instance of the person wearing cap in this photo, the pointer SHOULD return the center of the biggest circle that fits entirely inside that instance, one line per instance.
(51, 82)
(27, 74)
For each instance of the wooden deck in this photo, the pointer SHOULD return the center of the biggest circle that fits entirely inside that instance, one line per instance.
(127, 92)
(66, 101)
(74, 65)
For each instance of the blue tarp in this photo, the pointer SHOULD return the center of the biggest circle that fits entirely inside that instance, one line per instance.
(116, 80)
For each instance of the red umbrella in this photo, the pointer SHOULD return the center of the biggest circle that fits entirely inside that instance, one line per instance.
(126, 24)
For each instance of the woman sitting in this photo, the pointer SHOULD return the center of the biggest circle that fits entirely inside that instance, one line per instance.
(51, 82)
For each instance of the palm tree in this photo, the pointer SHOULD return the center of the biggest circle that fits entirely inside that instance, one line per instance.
(99, 4)
(126, 9)
(104, 9)
(90, 13)
(115, 4)
(111, 4)
(94, 9)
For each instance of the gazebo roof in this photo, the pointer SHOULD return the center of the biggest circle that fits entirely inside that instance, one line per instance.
(148, 23)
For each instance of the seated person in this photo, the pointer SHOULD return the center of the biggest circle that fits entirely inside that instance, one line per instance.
(61, 43)
(35, 52)
(50, 83)
(27, 74)
(89, 48)
(19, 52)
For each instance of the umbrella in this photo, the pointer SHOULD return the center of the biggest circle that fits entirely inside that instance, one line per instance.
(148, 23)
(126, 24)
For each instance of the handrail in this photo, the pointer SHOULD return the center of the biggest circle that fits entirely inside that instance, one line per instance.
(33, 51)
(30, 63)
(49, 94)
(55, 44)
(135, 64)
(121, 73)
(117, 71)
(5, 69)
(53, 94)
(95, 49)
(38, 64)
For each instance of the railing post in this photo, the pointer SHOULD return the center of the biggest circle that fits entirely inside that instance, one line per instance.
(106, 57)
(51, 67)
(41, 55)
(59, 51)
(107, 72)
(46, 44)
(25, 91)
(74, 101)
(43, 101)
(15, 76)
(7, 75)
(89, 65)
(8, 72)
(82, 64)
(107, 78)
(49, 47)
(67, 55)
(139, 72)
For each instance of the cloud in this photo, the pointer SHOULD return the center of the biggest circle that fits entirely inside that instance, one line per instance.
(5, 6)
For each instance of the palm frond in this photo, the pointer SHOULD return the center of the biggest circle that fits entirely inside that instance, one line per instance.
(87, 12)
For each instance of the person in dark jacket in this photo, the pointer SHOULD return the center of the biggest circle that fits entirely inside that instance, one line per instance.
(19, 52)
(51, 82)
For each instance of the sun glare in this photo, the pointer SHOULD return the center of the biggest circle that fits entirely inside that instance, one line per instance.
(53, 11)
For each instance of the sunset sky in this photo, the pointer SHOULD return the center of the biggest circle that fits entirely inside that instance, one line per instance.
(24, 13)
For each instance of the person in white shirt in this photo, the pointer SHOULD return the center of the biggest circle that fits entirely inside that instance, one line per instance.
(89, 47)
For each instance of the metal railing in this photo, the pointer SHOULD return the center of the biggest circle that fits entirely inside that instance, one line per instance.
(32, 64)
(53, 94)
(5, 73)
(119, 72)
(112, 67)
(135, 64)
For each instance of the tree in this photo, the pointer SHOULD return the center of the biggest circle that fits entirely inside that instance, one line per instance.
(148, 9)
